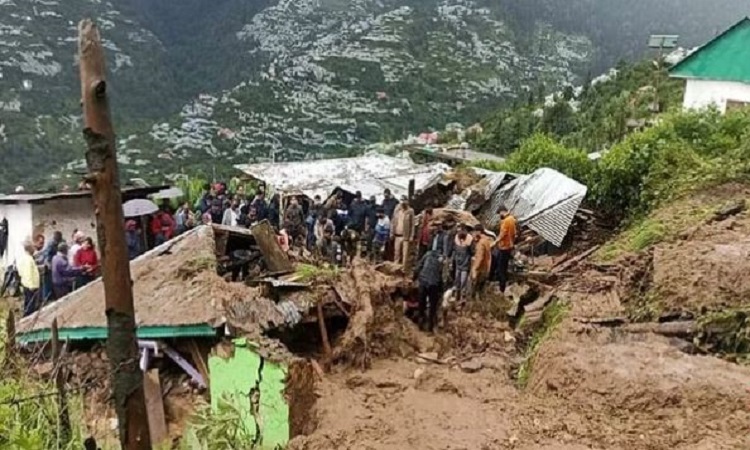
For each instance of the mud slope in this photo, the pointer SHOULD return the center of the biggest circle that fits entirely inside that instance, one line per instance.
(591, 387)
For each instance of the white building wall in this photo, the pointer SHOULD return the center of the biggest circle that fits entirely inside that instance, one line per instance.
(19, 229)
(701, 94)
(64, 215)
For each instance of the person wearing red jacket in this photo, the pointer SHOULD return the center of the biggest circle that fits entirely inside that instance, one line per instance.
(162, 227)
(87, 260)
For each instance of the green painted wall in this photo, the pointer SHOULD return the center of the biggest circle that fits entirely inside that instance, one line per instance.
(274, 410)
(236, 377)
(726, 58)
(233, 379)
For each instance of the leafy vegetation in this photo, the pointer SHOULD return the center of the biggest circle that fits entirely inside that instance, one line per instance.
(29, 417)
(592, 118)
(219, 429)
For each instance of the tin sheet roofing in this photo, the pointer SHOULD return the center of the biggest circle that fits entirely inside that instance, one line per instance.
(371, 174)
(546, 201)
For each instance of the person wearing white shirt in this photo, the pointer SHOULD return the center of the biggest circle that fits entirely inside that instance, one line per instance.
(78, 238)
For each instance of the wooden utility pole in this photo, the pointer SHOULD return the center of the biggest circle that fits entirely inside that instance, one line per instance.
(122, 344)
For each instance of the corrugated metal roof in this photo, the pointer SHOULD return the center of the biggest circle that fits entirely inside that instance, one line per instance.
(545, 201)
(371, 174)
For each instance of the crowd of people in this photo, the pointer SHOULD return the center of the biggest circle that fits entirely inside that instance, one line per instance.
(51, 269)
(449, 255)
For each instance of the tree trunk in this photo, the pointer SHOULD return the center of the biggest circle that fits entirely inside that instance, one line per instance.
(101, 159)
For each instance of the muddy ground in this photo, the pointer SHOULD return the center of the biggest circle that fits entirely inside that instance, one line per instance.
(587, 385)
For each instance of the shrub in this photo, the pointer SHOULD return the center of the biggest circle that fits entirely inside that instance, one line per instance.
(542, 151)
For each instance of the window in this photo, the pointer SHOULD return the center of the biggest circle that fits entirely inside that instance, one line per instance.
(736, 104)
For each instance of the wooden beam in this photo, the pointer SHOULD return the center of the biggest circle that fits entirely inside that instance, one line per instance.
(10, 339)
(103, 176)
(157, 423)
(275, 258)
(59, 375)
(324, 336)
(567, 264)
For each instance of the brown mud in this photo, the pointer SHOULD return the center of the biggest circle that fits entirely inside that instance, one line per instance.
(589, 386)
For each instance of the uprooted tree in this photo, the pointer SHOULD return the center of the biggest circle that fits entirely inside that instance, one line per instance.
(122, 346)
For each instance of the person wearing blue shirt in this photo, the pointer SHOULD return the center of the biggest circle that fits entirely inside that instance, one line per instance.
(382, 234)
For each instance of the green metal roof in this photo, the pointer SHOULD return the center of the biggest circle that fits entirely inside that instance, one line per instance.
(100, 333)
(725, 58)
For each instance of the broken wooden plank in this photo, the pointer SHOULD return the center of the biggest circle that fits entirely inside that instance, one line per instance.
(565, 265)
(157, 422)
(603, 321)
(669, 329)
(200, 362)
(324, 336)
(275, 258)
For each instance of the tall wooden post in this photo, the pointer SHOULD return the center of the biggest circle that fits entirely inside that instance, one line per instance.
(122, 344)
(59, 375)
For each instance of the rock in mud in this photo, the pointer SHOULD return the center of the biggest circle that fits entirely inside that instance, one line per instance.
(471, 366)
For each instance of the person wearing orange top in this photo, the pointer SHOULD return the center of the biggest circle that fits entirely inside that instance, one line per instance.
(481, 263)
(505, 243)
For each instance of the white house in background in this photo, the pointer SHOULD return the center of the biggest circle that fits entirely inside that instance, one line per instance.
(718, 73)
(32, 214)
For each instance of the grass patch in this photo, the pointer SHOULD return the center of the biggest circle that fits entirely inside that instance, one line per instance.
(552, 316)
(726, 332)
(663, 225)
(308, 272)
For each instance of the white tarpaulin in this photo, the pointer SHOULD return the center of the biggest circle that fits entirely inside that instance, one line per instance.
(545, 201)
(370, 174)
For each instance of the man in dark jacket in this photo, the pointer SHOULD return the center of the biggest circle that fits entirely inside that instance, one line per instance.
(429, 273)
(389, 203)
(357, 214)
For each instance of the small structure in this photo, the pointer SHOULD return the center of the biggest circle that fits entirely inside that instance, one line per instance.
(32, 214)
(453, 156)
(370, 174)
(718, 73)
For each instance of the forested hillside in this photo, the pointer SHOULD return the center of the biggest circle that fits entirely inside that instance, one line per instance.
(199, 84)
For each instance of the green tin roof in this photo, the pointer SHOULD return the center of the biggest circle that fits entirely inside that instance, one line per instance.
(725, 58)
(100, 333)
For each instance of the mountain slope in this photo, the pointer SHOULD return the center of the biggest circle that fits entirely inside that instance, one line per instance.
(204, 83)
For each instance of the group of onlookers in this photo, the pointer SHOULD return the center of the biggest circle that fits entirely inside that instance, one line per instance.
(51, 269)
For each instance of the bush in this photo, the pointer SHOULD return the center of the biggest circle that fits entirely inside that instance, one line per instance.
(684, 152)
(542, 151)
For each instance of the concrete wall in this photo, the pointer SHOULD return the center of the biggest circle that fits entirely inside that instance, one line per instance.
(19, 228)
(703, 93)
(65, 215)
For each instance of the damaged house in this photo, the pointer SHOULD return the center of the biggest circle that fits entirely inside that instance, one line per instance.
(370, 174)
(545, 201)
(191, 320)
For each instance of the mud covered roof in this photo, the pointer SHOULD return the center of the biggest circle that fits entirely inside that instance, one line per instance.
(176, 291)
(371, 174)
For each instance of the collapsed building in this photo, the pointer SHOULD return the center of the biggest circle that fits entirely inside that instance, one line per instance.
(371, 174)
(260, 338)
